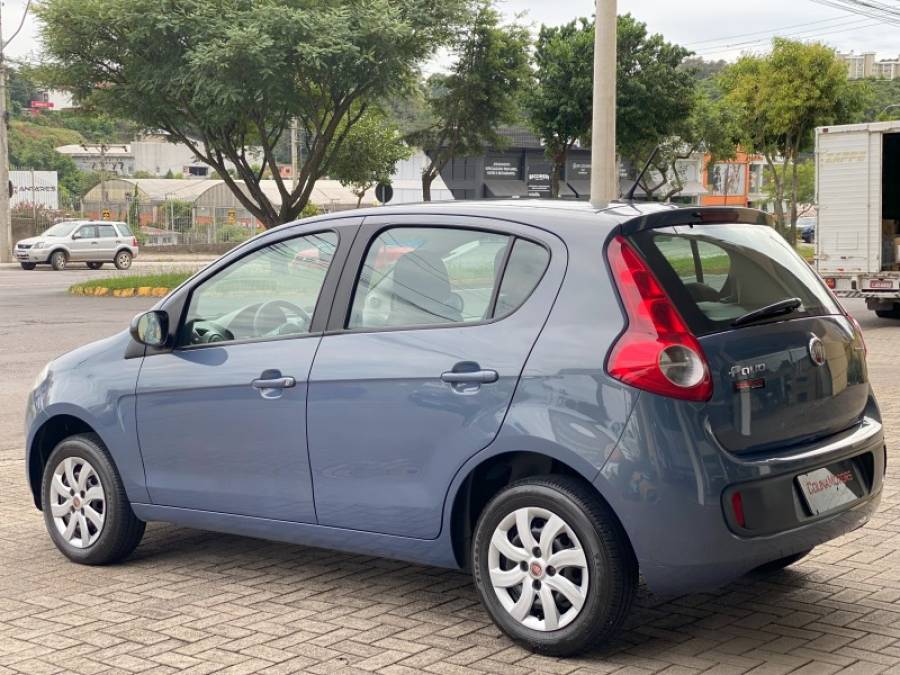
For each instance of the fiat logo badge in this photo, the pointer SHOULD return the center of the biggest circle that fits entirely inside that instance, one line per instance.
(817, 351)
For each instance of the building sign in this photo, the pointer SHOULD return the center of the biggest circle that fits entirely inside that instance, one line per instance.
(539, 179)
(502, 167)
(41, 104)
(33, 189)
(579, 169)
(231, 217)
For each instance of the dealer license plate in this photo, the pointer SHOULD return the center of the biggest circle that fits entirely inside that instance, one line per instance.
(831, 487)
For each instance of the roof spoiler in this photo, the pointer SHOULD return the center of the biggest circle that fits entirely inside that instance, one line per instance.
(709, 215)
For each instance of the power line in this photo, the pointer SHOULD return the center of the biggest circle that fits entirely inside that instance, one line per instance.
(856, 25)
(872, 10)
(771, 31)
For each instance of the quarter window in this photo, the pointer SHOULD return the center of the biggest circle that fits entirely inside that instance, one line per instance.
(432, 276)
(269, 293)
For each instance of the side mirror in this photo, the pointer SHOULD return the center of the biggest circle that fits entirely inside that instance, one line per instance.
(151, 328)
(76, 235)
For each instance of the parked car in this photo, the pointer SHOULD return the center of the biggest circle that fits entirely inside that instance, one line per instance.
(553, 397)
(807, 227)
(94, 242)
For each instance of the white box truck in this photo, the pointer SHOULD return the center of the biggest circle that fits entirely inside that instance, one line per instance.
(858, 229)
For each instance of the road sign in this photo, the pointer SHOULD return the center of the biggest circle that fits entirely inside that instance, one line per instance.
(384, 192)
(106, 215)
(232, 217)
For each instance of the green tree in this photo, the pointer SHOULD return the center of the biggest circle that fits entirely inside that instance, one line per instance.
(654, 94)
(559, 101)
(369, 154)
(806, 186)
(780, 99)
(478, 95)
(222, 76)
(32, 146)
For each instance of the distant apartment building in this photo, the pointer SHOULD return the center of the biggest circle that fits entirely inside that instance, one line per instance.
(865, 65)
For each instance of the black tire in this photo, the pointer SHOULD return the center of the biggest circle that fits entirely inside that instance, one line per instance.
(28, 266)
(893, 313)
(121, 531)
(611, 566)
(58, 260)
(95, 265)
(123, 260)
(781, 563)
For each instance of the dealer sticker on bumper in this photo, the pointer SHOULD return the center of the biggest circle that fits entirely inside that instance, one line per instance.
(831, 487)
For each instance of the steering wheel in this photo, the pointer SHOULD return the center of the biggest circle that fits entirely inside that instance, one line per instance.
(266, 320)
(206, 332)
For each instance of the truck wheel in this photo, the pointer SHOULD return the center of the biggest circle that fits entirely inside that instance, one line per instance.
(28, 266)
(95, 265)
(893, 313)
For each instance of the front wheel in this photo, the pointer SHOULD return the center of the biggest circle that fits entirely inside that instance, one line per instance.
(553, 566)
(123, 260)
(28, 266)
(58, 260)
(86, 511)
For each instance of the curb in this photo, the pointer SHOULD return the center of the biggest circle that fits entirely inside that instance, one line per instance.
(102, 291)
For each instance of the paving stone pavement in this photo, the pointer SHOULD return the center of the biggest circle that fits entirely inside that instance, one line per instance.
(199, 602)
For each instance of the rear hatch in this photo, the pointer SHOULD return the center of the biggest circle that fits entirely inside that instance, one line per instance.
(786, 375)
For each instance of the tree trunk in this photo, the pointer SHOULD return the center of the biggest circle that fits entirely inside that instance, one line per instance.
(559, 161)
(778, 193)
(427, 180)
(793, 203)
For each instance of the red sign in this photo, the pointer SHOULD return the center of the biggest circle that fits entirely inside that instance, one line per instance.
(41, 104)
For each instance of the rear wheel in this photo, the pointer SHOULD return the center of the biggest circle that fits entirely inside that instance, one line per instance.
(123, 260)
(58, 260)
(85, 507)
(553, 566)
(28, 266)
(893, 313)
(95, 265)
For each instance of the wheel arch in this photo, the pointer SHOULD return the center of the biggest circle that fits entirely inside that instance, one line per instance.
(58, 249)
(481, 482)
(47, 437)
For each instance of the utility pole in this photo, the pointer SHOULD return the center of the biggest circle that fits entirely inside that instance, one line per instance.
(5, 223)
(604, 168)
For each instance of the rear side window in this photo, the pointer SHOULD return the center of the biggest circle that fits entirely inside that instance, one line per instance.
(106, 231)
(420, 276)
(718, 273)
(125, 230)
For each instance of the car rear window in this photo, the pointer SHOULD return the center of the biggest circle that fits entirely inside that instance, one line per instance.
(718, 273)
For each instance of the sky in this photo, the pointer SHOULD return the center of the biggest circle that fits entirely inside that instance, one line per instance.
(712, 28)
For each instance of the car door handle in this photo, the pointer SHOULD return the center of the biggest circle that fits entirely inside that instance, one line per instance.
(274, 383)
(470, 377)
(93, 243)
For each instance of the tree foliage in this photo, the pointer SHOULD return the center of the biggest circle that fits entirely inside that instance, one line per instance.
(477, 95)
(558, 102)
(780, 99)
(369, 154)
(221, 76)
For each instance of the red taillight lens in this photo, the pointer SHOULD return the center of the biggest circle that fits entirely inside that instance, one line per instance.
(656, 352)
(134, 241)
(737, 505)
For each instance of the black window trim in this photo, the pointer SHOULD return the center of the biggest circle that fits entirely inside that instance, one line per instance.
(342, 304)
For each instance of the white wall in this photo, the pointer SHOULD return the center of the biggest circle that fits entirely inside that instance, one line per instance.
(34, 187)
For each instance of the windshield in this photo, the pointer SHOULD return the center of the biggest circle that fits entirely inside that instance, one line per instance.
(60, 230)
(716, 274)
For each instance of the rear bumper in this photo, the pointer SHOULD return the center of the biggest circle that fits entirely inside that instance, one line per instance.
(670, 497)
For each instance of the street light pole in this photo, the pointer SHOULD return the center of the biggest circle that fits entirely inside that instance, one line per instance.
(604, 169)
(5, 223)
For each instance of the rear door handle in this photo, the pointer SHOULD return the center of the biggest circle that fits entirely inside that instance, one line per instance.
(470, 377)
(274, 383)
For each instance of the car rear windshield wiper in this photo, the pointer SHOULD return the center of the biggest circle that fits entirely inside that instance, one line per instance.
(785, 306)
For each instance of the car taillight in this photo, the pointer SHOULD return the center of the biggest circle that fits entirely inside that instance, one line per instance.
(134, 241)
(737, 505)
(859, 334)
(656, 352)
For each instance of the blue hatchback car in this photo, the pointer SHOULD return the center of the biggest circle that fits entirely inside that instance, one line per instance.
(554, 397)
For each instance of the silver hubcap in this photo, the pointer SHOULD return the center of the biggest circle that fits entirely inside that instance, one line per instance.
(77, 502)
(123, 260)
(538, 569)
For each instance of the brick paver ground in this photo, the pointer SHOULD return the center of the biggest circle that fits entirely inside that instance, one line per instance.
(198, 602)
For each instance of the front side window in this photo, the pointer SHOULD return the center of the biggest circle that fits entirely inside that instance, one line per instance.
(432, 276)
(269, 293)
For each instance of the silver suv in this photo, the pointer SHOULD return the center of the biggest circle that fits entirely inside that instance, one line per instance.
(90, 241)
